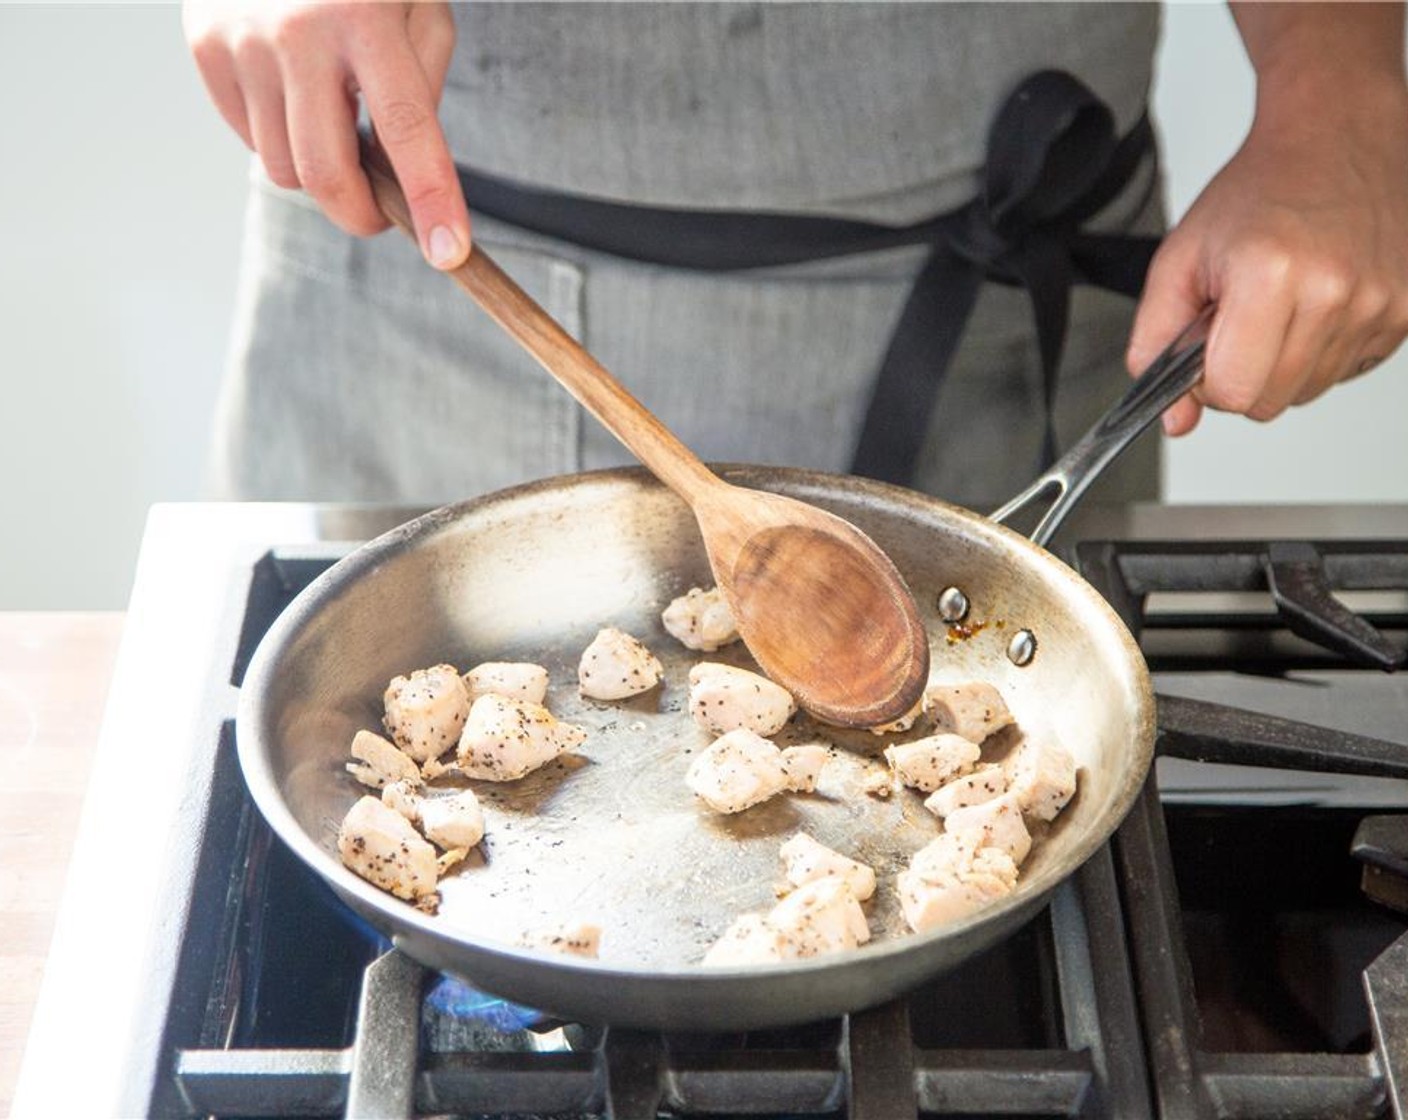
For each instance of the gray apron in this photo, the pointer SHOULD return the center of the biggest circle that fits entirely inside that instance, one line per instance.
(358, 374)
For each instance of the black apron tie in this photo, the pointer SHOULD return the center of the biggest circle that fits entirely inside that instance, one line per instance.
(1053, 161)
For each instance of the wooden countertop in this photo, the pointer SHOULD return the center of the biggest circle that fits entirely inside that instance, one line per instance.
(54, 674)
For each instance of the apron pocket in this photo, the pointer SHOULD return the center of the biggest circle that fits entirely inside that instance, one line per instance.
(359, 374)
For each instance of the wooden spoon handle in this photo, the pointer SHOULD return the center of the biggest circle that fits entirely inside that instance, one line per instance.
(556, 350)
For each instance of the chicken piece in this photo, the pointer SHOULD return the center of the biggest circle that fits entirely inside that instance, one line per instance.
(802, 766)
(516, 680)
(437, 769)
(750, 940)
(616, 665)
(820, 917)
(904, 723)
(996, 823)
(949, 879)
(736, 771)
(723, 698)
(808, 859)
(573, 939)
(951, 855)
(926, 764)
(983, 784)
(425, 712)
(504, 739)
(701, 620)
(451, 822)
(1043, 778)
(943, 856)
(974, 710)
(404, 798)
(379, 763)
(381, 846)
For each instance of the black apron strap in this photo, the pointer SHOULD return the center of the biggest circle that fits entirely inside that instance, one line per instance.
(1053, 162)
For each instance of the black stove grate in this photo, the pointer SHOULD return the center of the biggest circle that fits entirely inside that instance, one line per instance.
(877, 1065)
(1297, 619)
(1337, 1069)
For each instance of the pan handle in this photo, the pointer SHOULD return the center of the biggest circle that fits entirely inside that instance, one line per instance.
(1168, 377)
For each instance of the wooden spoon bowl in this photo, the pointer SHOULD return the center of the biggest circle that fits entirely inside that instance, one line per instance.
(818, 604)
(823, 611)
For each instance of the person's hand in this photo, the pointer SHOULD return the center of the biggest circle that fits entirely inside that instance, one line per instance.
(1301, 241)
(286, 77)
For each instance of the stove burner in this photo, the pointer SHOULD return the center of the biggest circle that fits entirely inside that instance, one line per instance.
(1048, 1027)
(1154, 984)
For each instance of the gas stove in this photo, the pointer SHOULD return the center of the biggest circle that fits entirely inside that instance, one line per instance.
(1240, 949)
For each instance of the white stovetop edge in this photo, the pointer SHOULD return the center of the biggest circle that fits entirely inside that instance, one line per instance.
(99, 968)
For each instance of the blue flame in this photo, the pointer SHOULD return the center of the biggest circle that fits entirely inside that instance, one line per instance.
(454, 999)
(458, 1000)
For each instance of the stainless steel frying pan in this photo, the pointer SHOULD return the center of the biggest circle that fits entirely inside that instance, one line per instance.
(614, 836)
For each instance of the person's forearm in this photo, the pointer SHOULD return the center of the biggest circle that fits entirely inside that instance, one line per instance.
(1308, 52)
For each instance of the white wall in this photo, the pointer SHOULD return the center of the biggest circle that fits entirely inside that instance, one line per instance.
(119, 224)
(119, 221)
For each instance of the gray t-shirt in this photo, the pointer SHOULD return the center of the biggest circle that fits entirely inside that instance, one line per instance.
(874, 111)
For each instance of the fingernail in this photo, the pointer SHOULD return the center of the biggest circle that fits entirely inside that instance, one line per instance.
(445, 247)
(1168, 424)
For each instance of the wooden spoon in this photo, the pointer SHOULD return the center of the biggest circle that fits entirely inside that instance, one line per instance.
(820, 607)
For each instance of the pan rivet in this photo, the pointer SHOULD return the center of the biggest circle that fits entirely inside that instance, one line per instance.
(953, 605)
(1022, 648)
